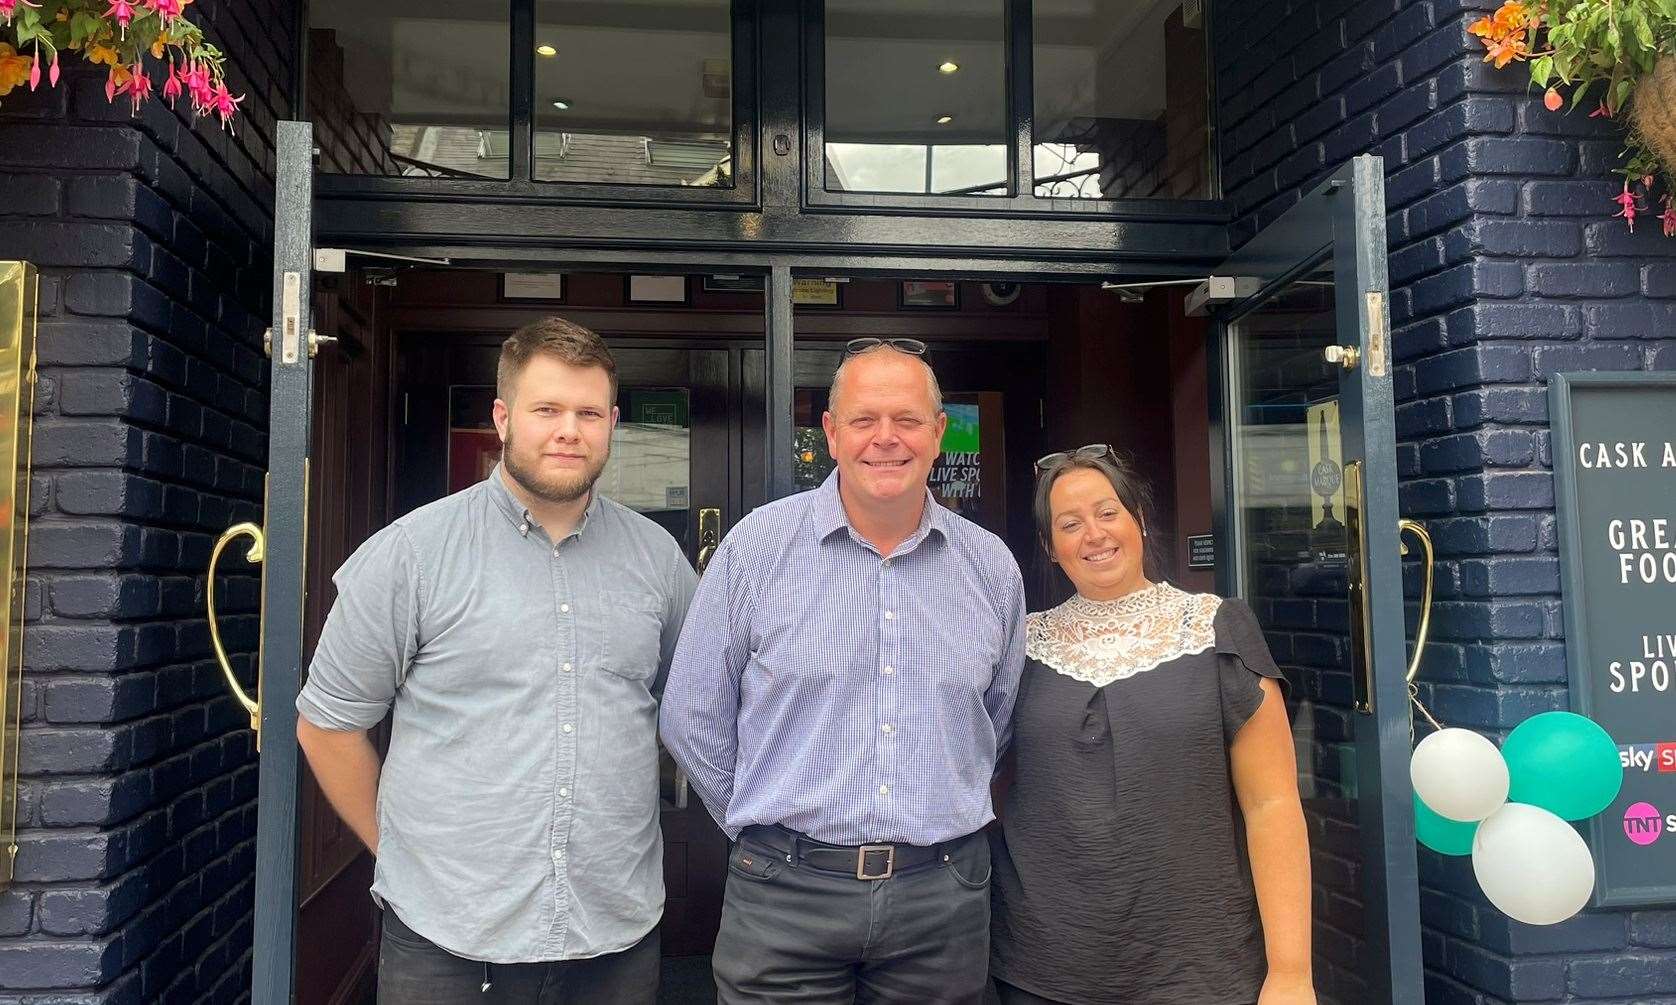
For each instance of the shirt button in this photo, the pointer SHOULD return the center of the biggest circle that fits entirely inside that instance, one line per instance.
(889, 670)
(564, 793)
(888, 728)
(567, 727)
(555, 551)
(564, 608)
(558, 854)
(568, 668)
(523, 528)
(884, 790)
(890, 615)
(886, 563)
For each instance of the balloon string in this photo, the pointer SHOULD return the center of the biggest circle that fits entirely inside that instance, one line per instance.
(1414, 696)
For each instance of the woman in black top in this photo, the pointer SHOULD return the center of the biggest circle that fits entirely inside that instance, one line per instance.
(1152, 845)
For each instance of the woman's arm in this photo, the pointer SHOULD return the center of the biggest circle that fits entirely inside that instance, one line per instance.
(1265, 773)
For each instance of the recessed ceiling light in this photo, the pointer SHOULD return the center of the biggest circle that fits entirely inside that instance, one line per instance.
(943, 120)
(949, 66)
(561, 104)
(546, 50)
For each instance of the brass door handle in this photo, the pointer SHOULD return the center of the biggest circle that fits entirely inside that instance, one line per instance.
(709, 535)
(258, 547)
(1425, 626)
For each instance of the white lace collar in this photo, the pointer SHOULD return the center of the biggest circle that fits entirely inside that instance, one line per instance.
(1100, 641)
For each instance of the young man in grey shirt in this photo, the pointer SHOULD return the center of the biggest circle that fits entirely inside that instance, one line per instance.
(522, 629)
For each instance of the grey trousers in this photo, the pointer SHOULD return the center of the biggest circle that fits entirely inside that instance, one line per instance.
(791, 933)
(412, 970)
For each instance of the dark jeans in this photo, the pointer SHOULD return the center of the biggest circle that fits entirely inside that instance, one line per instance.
(791, 933)
(412, 970)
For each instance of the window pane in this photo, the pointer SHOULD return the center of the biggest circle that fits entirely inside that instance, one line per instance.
(636, 92)
(1121, 100)
(398, 88)
(916, 96)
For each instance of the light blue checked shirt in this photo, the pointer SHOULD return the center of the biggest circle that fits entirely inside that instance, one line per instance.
(853, 697)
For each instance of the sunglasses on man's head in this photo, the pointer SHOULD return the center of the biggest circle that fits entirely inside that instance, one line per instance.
(1090, 452)
(911, 346)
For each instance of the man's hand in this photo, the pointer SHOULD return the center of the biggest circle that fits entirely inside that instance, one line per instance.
(346, 766)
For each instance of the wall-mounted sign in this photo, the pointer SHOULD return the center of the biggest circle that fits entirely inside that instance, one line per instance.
(1615, 494)
(815, 293)
(1201, 551)
(532, 286)
(18, 287)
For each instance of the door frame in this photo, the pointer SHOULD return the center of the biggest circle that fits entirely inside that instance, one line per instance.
(290, 416)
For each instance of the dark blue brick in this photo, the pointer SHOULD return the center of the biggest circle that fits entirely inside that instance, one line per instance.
(1549, 360)
(1623, 976)
(1582, 279)
(1505, 490)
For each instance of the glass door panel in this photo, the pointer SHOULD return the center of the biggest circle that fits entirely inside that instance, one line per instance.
(1292, 555)
(1310, 505)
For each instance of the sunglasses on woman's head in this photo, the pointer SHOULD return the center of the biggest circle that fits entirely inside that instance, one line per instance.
(1090, 452)
(911, 346)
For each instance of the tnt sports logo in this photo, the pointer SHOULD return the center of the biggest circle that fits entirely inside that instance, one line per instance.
(1642, 824)
(1646, 757)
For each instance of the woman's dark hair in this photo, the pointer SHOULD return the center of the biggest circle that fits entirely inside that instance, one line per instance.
(1133, 491)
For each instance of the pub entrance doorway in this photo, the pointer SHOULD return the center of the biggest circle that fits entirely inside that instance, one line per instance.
(1302, 358)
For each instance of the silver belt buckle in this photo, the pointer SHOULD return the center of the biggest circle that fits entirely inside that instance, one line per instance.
(861, 861)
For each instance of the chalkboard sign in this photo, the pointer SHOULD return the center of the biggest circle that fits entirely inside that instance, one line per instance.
(1615, 484)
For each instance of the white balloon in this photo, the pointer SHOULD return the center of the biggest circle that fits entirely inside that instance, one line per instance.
(1532, 865)
(1459, 774)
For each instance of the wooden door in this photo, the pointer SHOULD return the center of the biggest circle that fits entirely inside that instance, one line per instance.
(337, 923)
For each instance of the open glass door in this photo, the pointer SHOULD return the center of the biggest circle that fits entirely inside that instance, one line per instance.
(1309, 500)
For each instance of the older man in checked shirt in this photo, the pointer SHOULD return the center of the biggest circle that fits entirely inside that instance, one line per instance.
(839, 697)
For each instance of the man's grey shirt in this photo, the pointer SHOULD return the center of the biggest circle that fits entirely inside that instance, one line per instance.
(518, 804)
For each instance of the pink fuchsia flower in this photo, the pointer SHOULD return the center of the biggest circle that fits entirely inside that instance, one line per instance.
(138, 86)
(35, 69)
(172, 86)
(1552, 100)
(1628, 208)
(1601, 113)
(9, 7)
(1668, 217)
(123, 11)
(225, 104)
(198, 85)
(52, 72)
(167, 8)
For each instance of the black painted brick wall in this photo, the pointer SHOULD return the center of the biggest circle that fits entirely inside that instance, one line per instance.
(1505, 268)
(153, 236)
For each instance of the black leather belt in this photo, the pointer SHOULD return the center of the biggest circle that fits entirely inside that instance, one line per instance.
(867, 861)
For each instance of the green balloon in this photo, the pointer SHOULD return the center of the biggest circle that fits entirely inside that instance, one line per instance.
(1564, 763)
(1441, 834)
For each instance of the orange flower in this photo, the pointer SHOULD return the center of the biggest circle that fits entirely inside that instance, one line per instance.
(1511, 15)
(1484, 28)
(1506, 50)
(1552, 100)
(100, 53)
(14, 69)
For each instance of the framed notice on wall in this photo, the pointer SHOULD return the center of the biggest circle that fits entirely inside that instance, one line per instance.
(1615, 494)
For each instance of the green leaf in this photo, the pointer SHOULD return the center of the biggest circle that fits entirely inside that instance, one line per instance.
(1542, 68)
(1624, 86)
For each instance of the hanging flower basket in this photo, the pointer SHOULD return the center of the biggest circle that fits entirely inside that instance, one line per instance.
(1652, 113)
(141, 42)
(1620, 54)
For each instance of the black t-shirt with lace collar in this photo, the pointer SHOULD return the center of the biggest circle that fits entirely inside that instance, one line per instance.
(1121, 873)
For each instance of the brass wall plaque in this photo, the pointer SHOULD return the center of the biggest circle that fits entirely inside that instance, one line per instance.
(18, 284)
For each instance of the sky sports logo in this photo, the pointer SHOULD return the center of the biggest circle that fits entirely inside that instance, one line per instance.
(1646, 757)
